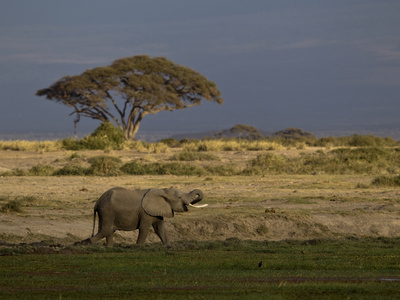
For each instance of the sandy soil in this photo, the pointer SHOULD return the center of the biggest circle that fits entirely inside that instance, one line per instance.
(60, 209)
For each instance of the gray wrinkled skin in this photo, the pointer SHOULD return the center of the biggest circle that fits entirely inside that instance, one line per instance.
(122, 209)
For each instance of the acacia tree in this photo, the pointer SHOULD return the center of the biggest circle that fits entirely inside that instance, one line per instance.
(131, 88)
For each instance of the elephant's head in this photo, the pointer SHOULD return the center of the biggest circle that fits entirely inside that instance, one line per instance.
(164, 202)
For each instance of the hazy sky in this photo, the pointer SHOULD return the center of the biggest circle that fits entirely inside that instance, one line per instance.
(316, 65)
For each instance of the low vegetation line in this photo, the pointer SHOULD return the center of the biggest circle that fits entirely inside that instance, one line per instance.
(355, 154)
(382, 162)
(109, 137)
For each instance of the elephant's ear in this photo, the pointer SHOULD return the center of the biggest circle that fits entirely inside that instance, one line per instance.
(155, 205)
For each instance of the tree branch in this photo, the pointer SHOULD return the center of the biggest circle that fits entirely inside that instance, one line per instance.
(135, 86)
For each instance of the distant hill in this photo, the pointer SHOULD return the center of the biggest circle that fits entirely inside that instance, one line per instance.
(241, 131)
(293, 134)
(238, 131)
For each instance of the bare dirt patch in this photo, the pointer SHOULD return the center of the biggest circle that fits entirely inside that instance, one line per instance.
(258, 208)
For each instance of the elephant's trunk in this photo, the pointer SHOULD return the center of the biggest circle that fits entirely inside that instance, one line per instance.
(196, 196)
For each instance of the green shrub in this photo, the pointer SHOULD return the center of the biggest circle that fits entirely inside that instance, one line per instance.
(356, 140)
(72, 170)
(325, 142)
(223, 170)
(262, 229)
(369, 155)
(74, 155)
(391, 181)
(105, 165)
(7, 173)
(172, 143)
(41, 170)
(27, 199)
(136, 168)
(266, 163)
(15, 204)
(72, 144)
(369, 160)
(105, 137)
(11, 206)
(179, 169)
(339, 161)
(192, 156)
(19, 172)
(98, 143)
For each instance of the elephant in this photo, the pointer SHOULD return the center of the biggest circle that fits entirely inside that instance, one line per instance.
(127, 210)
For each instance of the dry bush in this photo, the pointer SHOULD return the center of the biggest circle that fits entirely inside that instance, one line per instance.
(175, 168)
(105, 165)
(338, 161)
(193, 156)
(232, 145)
(146, 147)
(15, 204)
(11, 206)
(386, 181)
(23, 145)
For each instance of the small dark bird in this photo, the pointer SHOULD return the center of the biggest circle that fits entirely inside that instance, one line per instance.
(260, 264)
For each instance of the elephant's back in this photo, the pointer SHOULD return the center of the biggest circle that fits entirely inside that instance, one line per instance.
(126, 205)
(120, 196)
(106, 197)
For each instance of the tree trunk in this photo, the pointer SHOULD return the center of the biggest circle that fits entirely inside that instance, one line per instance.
(131, 132)
(133, 126)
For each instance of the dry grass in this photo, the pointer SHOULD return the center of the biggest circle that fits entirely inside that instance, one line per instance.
(259, 207)
(233, 145)
(21, 145)
(206, 145)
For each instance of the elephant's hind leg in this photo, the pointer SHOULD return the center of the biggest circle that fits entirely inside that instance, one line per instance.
(108, 234)
(110, 240)
(97, 237)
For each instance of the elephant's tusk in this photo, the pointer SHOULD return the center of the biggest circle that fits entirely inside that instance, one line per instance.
(198, 206)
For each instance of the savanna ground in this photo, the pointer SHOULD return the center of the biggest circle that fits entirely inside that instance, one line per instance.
(300, 226)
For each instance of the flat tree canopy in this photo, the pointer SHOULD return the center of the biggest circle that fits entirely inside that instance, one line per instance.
(131, 88)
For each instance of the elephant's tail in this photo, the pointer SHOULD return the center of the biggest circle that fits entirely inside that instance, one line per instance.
(94, 221)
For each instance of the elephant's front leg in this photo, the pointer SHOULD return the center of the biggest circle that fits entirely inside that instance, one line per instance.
(159, 228)
(143, 233)
(144, 229)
